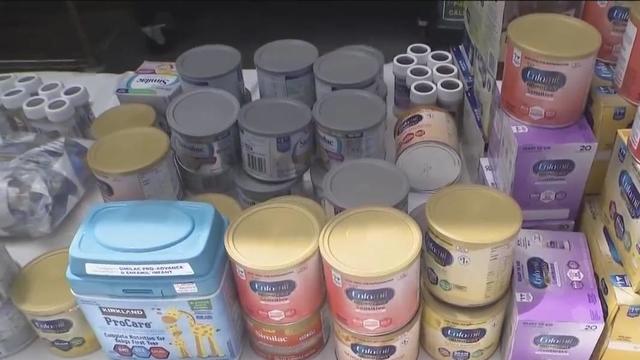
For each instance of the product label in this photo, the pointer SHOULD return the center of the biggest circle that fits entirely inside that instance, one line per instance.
(300, 87)
(146, 270)
(403, 346)
(215, 157)
(628, 66)
(68, 334)
(425, 125)
(336, 147)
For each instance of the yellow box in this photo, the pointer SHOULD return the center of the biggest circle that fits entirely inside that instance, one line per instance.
(607, 113)
(595, 181)
(621, 337)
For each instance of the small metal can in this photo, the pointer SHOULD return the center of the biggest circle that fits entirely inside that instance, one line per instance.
(627, 76)
(346, 69)
(250, 191)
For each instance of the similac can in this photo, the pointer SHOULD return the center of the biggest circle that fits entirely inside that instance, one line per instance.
(277, 269)
(317, 172)
(350, 124)
(470, 265)
(403, 344)
(346, 69)
(372, 269)
(306, 203)
(292, 341)
(610, 19)
(627, 76)
(227, 205)
(250, 191)
(427, 148)
(122, 117)
(276, 135)
(549, 60)
(634, 139)
(451, 332)
(135, 164)
(376, 53)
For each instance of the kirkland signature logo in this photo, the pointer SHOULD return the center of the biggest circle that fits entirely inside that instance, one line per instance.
(618, 14)
(373, 352)
(370, 297)
(549, 80)
(462, 335)
(537, 270)
(559, 342)
(122, 312)
(273, 288)
(629, 193)
(441, 255)
(562, 167)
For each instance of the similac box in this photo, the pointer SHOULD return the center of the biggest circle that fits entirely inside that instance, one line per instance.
(544, 170)
(555, 312)
(621, 338)
(607, 113)
(621, 207)
(153, 280)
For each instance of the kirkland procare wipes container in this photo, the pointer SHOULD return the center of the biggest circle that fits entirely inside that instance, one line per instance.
(153, 280)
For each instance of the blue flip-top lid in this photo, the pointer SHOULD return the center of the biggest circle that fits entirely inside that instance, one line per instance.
(148, 248)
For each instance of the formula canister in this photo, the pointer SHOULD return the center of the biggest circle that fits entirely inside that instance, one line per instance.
(277, 139)
(627, 76)
(470, 265)
(549, 60)
(317, 172)
(122, 117)
(364, 182)
(42, 293)
(399, 345)
(250, 191)
(135, 164)
(305, 202)
(372, 269)
(426, 142)
(225, 204)
(610, 19)
(376, 53)
(350, 124)
(201, 181)
(346, 69)
(285, 69)
(216, 66)
(277, 268)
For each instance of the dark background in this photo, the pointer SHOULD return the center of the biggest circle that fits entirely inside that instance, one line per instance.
(106, 36)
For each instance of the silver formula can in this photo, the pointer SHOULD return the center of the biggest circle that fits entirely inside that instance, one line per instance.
(346, 69)
(250, 191)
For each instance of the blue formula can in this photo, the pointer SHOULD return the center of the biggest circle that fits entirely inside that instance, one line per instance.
(153, 280)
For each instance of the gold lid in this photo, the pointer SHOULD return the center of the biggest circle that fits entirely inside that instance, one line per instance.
(227, 205)
(554, 35)
(307, 203)
(128, 150)
(273, 236)
(123, 117)
(41, 287)
(370, 241)
(473, 214)
(456, 313)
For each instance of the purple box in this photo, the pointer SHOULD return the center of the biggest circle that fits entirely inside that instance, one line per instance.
(554, 225)
(544, 170)
(555, 311)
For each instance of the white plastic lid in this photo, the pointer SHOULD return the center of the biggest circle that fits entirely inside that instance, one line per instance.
(418, 73)
(285, 56)
(420, 51)
(350, 110)
(59, 110)
(14, 98)
(430, 166)
(35, 108)
(401, 63)
(51, 90)
(439, 57)
(30, 82)
(78, 95)
(7, 81)
(423, 93)
(444, 71)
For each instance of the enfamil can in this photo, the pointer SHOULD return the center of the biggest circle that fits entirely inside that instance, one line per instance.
(153, 280)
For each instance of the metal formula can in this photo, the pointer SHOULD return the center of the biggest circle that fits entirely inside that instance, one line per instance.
(293, 341)
(350, 124)
(372, 281)
(451, 332)
(427, 148)
(227, 205)
(135, 164)
(610, 19)
(250, 191)
(403, 344)
(470, 265)
(376, 53)
(364, 182)
(306, 203)
(627, 76)
(285, 69)
(277, 139)
(549, 61)
(346, 69)
(277, 269)
(122, 117)
(216, 66)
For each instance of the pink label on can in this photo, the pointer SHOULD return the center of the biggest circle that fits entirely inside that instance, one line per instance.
(432, 125)
(543, 91)
(376, 306)
(285, 297)
(610, 19)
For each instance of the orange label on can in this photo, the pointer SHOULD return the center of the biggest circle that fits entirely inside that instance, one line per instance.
(426, 124)
(627, 76)
(610, 19)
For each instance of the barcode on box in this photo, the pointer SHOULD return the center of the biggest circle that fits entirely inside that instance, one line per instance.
(257, 163)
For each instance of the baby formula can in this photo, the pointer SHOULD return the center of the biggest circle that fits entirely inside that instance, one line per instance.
(451, 332)
(285, 69)
(293, 341)
(42, 293)
(376, 53)
(350, 124)
(135, 164)
(364, 182)
(317, 172)
(426, 148)
(250, 191)
(549, 61)
(306, 203)
(51, 90)
(225, 204)
(122, 117)
(279, 277)
(403, 344)
(627, 76)
(30, 83)
(420, 51)
(610, 19)
(470, 265)
(372, 282)
(346, 69)
(216, 66)
(153, 280)
(277, 138)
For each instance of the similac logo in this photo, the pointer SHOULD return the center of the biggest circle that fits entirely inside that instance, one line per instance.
(629, 193)
(273, 288)
(618, 15)
(370, 297)
(441, 255)
(559, 342)
(549, 80)
(407, 123)
(538, 272)
(561, 167)
(150, 81)
(373, 352)
(467, 336)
